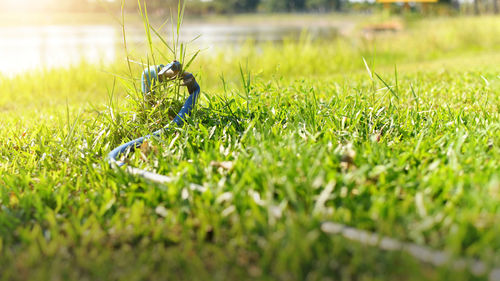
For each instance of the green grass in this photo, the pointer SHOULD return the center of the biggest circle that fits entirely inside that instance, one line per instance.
(407, 146)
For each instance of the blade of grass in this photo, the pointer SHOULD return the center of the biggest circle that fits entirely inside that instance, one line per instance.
(387, 86)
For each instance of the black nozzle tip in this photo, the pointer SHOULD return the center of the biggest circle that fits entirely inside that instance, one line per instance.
(174, 67)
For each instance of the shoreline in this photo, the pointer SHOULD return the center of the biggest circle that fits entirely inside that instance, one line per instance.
(291, 19)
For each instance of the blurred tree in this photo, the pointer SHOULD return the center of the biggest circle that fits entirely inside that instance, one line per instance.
(283, 5)
(476, 7)
(274, 5)
(246, 5)
(324, 5)
(449, 5)
(236, 5)
(297, 5)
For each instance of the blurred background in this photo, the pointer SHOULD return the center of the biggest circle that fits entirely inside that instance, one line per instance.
(45, 34)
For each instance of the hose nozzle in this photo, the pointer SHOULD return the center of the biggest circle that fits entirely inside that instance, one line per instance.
(170, 71)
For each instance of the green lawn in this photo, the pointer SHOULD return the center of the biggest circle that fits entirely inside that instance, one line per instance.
(397, 134)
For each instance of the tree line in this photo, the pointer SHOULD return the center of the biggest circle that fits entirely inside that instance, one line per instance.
(202, 7)
(246, 6)
(267, 6)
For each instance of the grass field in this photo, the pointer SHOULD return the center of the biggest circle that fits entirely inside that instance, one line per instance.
(397, 134)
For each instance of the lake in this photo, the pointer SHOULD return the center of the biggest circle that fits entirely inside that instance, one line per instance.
(46, 46)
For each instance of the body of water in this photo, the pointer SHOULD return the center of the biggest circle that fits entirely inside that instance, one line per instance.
(33, 47)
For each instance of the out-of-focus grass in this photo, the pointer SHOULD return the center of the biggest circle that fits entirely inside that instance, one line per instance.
(316, 136)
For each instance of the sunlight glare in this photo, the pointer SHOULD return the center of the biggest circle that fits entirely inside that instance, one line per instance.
(24, 5)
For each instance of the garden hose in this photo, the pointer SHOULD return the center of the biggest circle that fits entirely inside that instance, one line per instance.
(160, 73)
(150, 77)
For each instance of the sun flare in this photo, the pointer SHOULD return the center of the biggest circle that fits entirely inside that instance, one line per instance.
(25, 5)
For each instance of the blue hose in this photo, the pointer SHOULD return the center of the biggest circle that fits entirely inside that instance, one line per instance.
(149, 79)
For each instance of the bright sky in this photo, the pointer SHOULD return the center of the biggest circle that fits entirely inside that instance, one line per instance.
(32, 5)
(15, 5)
(21, 2)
